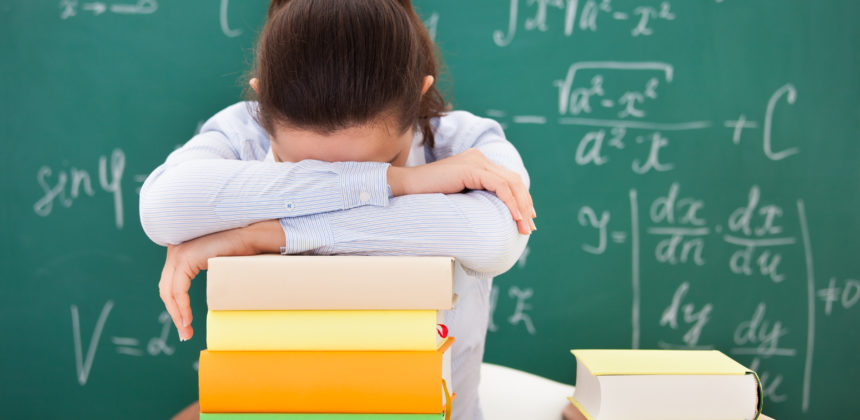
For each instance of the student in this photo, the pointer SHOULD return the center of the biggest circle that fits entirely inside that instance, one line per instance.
(348, 149)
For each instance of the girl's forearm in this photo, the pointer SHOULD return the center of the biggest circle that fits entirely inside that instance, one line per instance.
(265, 237)
(185, 199)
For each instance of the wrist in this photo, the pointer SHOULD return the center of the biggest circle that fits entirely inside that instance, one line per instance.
(395, 180)
(262, 238)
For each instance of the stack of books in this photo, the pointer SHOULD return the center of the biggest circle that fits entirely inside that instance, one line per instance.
(664, 385)
(320, 337)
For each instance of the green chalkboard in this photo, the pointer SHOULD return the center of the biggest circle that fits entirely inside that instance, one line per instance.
(695, 167)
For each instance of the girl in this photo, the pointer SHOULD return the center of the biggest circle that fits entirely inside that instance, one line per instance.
(347, 150)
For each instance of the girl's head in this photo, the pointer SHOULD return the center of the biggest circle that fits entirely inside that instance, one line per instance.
(345, 79)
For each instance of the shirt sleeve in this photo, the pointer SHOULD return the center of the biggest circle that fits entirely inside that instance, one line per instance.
(205, 186)
(475, 227)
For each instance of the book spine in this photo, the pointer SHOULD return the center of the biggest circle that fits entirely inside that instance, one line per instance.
(759, 405)
(321, 330)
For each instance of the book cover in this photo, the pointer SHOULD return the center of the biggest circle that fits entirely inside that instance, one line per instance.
(664, 385)
(323, 330)
(289, 282)
(403, 382)
(658, 362)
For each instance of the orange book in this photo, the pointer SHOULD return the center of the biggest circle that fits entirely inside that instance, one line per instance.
(324, 381)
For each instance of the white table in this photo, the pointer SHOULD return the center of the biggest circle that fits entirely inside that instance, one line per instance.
(510, 394)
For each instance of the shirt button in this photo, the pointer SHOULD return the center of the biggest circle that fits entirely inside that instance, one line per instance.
(288, 205)
(364, 196)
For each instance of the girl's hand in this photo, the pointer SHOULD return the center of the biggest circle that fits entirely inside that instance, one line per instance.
(184, 262)
(467, 170)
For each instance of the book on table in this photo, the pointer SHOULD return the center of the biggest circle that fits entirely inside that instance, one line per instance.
(278, 282)
(328, 338)
(324, 330)
(664, 385)
(325, 381)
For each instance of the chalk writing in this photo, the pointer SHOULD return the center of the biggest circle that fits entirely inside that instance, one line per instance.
(635, 268)
(626, 107)
(139, 179)
(69, 8)
(128, 346)
(769, 384)
(520, 315)
(83, 365)
(789, 93)
(587, 217)
(494, 301)
(679, 222)
(432, 25)
(615, 115)
(658, 142)
(76, 180)
(763, 336)
(810, 303)
(584, 16)
(580, 100)
(690, 316)
(758, 243)
(156, 345)
(222, 17)
(846, 296)
(521, 261)
(142, 7)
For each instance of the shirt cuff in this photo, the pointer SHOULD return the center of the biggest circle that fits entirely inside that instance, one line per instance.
(365, 183)
(309, 235)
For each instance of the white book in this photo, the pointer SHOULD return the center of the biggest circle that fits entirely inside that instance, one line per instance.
(664, 385)
(348, 282)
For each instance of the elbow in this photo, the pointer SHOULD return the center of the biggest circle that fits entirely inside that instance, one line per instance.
(154, 219)
(501, 249)
(149, 220)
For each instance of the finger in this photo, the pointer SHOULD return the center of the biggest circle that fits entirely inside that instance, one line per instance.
(181, 284)
(165, 291)
(521, 193)
(492, 182)
(518, 187)
(500, 186)
(524, 226)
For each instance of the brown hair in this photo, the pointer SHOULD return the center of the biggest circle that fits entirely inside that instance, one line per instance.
(326, 65)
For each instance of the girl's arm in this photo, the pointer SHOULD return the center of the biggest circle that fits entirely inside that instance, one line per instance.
(344, 207)
(204, 187)
(213, 183)
(475, 227)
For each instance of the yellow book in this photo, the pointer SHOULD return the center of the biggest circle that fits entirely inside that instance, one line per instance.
(323, 330)
(664, 385)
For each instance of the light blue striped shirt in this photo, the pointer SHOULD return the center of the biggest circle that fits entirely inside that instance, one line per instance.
(221, 179)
